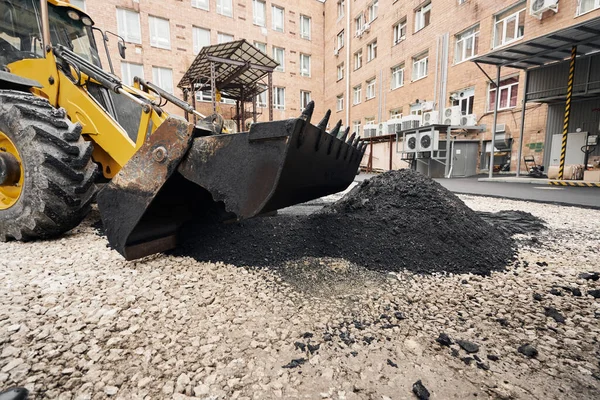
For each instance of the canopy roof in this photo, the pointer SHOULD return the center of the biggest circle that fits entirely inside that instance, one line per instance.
(239, 68)
(552, 47)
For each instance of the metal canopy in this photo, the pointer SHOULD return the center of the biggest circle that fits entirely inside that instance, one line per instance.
(552, 47)
(238, 68)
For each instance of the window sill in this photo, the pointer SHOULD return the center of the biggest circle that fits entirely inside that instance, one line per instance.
(465, 60)
(587, 12)
(499, 110)
(277, 30)
(201, 8)
(418, 79)
(340, 110)
(368, 61)
(369, 98)
(160, 47)
(355, 104)
(419, 30)
(339, 79)
(398, 42)
(508, 43)
(305, 76)
(225, 15)
(259, 25)
(305, 38)
(397, 87)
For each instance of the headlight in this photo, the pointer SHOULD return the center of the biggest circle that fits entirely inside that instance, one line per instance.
(87, 21)
(74, 15)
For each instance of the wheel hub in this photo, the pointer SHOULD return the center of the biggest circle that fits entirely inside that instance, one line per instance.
(11, 173)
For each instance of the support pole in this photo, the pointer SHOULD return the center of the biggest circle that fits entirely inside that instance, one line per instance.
(237, 116)
(491, 167)
(194, 99)
(270, 95)
(370, 163)
(243, 106)
(213, 87)
(565, 134)
(185, 98)
(254, 117)
(391, 145)
(522, 129)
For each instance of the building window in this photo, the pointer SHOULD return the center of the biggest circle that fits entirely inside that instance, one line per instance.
(371, 89)
(340, 102)
(397, 76)
(341, 5)
(130, 71)
(396, 113)
(420, 66)
(201, 38)
(304, 99)
(357, 94)
(464, 99)
(160, 35)
(422, 16)
(400, 31)
(585, 6)
(304, 64)
(163, 78)
(305, 23)
(340, 40)
(224, 37)
(278, 17)
(356, 127)
(203, 4)
(359, 23)
(372, 51)
(128, 23)
(467, 44)
(279, 56)
(416, 109)
(259, 12)
(509, 89)
(78, 3)
(262, 99)
(372, 10)
(204, 95)
(340, 71)
(279, 98)
(261, 46)
(224, 7)
(509, 25)
(358, 59)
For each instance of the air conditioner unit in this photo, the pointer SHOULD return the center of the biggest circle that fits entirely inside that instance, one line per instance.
(394, 125)
(468, 120)
(370, 130)
(429, 141)
(452, 115)
(538, 7)
(500, 128)
(359, 33)
(410, 143)
(381, 129)
(411, 122)
(366, 27)
(427, 105)
(430, 118)
(336, 52)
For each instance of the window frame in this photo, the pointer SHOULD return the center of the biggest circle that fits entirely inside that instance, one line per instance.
(304, 57)
(129, 74)
(358, 60)
(196, 2)
(474, 36)
(340, 38)
(262, 44)
(340, 71)
(372, 51)
(276, 105)
(420, 16)
(159, 82)
(302, 93)
(595, 6)
(303, 34)
(123, 30)
(281, 66)
(339, 102)
(273, 19)
(153, 42)
(421, 58)
(221, 35)
(356, 126)
(397, 28)
(255, 21)
(520, 7)
(372, 11)
(357, 90)
(195, 43)
(341, 9)
(509, 88)
(371, 88)
(221, 10)
(401, 69)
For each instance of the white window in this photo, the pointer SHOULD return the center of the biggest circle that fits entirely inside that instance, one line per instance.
(278, 17)
(201, 38)
(305, 23)
(509, 89)
(261, 46)
(340, 40)
(420, 66)
(304, 99)
(78, 3)
(259, 12)
(467, 44)
(279, 98)
(397, 76)
(358, 59)
(304, 64)
(359, 23)
(340, 71)
(203, 4)
(129, 25)
(341, 5)
(224, 8)
(357, 94)
(371, 88)
(224, 37)
(400, 31)
(163, 78)
(509, 25)
(422, 16)
(356, 127)
(395, 113)
(160, 34)
(262, 99)
(129, 71)
(340, 102)
(371, 51)
(464, 99)
(372, 10)
(204, 95)
(416, 109)
(585, 6)
(279, 56)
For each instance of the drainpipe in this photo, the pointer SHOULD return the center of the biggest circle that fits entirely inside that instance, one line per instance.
(348, 67)
(491, 166)
(522, 130)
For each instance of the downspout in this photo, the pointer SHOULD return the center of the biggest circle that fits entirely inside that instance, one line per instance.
(348, 67)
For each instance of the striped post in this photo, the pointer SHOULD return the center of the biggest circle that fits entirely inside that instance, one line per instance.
(563, 146)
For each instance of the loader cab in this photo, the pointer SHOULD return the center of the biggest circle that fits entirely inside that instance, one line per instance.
(21, 37)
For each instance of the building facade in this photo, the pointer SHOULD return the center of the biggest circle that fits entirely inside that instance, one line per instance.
(366, 60)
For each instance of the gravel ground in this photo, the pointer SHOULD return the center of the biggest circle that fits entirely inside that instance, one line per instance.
(78, 322)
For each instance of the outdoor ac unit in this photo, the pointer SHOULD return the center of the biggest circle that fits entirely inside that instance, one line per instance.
(500, 128)
(538, 7)
(410, 143)
(468, 120)
(427, 105)
(359, 33)
(411, 122)
(366, 27)
(430, 118)
(381, 129)
(429, 141)
(394, 125)
(370, 130)
(336, 52)
(452, 115)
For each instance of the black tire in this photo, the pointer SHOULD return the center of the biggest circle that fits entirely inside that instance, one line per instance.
(59, 174)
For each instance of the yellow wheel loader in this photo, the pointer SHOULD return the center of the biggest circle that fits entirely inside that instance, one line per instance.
(66, 125)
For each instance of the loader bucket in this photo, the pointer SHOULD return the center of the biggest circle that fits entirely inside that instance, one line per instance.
(274, 165)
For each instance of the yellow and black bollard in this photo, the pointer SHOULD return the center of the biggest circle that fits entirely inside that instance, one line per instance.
(563, 147)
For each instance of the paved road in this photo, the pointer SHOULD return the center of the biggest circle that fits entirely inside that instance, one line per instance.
(544, 193)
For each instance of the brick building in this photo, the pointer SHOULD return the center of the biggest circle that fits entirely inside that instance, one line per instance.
(367, 60)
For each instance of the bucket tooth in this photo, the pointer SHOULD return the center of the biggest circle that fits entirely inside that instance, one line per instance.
(356, 141)
(336, 129)
(323, 124)
(308, 112)
(345, 135)
(351, 140)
